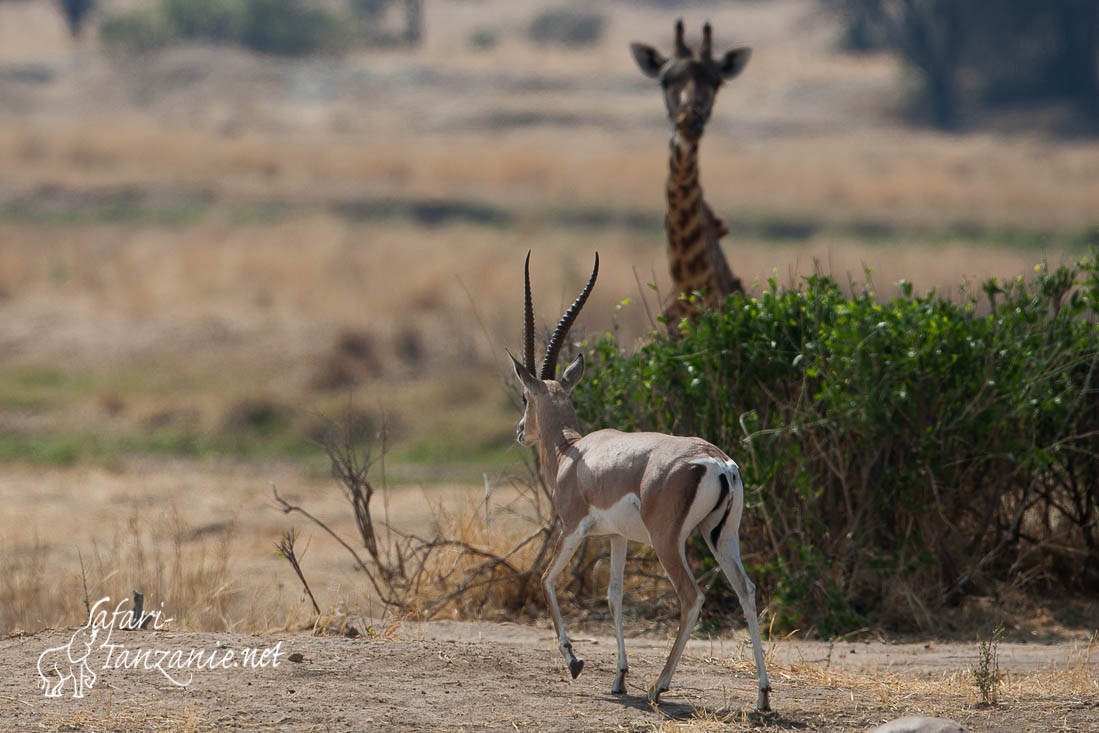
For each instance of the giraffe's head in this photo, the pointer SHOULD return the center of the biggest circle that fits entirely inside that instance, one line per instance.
(690, 83)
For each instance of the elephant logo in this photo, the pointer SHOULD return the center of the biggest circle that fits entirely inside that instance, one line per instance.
(69, 662)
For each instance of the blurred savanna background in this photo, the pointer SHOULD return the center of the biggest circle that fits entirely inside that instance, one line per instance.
(228, 225)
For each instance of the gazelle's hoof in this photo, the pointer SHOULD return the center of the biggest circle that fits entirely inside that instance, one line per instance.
(619, 686)
(655, 693)
(763, 702)
(576, 666)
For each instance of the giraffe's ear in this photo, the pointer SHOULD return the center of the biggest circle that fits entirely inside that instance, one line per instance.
(648, 59)
(733, 62)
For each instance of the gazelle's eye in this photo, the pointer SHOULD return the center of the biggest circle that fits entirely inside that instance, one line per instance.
(524, 400)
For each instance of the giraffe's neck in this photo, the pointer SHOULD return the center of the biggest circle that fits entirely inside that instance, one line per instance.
(687, 255)
(694, 233)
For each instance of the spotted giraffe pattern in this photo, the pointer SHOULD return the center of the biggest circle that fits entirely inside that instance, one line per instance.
(695, 259)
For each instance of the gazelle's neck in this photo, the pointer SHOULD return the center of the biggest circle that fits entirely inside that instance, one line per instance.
(686, 248)
(553, 448)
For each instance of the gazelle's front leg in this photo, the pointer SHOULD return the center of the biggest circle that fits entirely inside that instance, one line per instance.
(567, 546)
(614, 599)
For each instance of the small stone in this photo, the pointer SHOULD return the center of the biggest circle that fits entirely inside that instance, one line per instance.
(919, 724)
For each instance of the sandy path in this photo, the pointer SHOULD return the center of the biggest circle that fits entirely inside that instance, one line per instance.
(459, 676)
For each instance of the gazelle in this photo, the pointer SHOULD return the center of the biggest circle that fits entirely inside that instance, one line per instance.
(646, 487)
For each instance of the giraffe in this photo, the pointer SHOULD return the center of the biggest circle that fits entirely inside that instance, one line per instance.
(690, 86)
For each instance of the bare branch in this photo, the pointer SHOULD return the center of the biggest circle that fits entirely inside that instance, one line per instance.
(285, 546)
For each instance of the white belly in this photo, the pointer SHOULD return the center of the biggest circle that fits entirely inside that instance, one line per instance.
(623, 517)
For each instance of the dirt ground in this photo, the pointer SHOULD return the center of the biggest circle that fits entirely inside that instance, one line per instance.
(466, 676)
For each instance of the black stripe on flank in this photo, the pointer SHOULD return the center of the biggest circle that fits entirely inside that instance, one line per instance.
(699, 471)
(716, 531)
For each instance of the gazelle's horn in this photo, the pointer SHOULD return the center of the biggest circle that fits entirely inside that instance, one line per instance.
(706, 49)
(549, 364)
(681, 49)
(528, 319)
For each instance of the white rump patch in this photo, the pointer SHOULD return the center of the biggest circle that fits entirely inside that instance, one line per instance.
(709, 489)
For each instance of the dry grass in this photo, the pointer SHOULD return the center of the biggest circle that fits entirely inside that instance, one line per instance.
(213, 566)
(857, 698)
(197, 538)
(185, 568)
(187, 719)
(294, 286)
(924, 179)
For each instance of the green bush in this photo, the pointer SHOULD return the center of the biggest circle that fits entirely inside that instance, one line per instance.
(140, 31)
(288, 28)
(567, 27)
(898, 455)
(483, 39)
(218, 21)
(278, 27)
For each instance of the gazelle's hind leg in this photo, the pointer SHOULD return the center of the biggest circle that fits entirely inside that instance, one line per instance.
(726, 551)
(567, 545)
(673, 559)
(614, 599)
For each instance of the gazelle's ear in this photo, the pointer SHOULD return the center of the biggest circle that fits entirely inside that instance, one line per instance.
(733, 62)
(648, 59)
(573, 373)
(522, 372)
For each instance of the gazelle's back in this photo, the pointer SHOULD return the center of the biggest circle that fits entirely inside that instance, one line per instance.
(654, 467)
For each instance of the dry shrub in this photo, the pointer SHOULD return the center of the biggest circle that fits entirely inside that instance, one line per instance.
(467, 570)
(171, 417)
(352, 359)
(256, 415)
(480, 563)
(986, 673)
(481, 560)
(409, 345)
(113, 403)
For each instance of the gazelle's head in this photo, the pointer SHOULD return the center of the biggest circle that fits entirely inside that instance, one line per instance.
(690, 84)
(547, 400)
